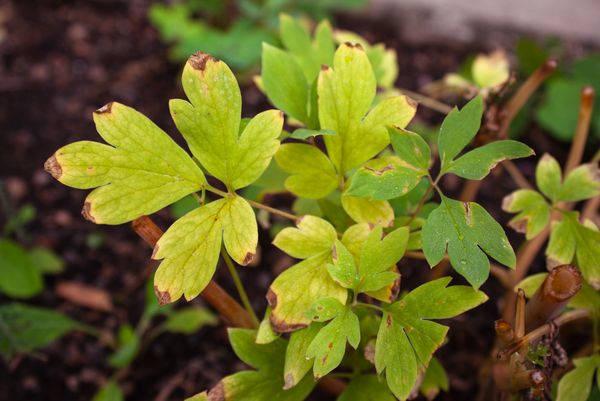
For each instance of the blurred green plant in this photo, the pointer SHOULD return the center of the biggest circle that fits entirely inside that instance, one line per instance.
(232, 30)
(556, 108)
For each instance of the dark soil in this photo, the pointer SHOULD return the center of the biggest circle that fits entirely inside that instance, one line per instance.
(60, 61)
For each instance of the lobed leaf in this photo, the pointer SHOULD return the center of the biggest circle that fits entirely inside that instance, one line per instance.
(346, 93)
(329, 345)
(458, 129)
(548, 177)
(478, 163)
(407, 339)
(297, 364)
(143, 171)
(264, 384)
(295, 290)
(190, 247)
(571, 241)
(210, 123)
(466, 230)
(533, 211)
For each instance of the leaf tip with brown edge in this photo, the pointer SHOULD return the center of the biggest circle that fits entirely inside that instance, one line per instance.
(106, 109)
(86, 212)
(163, 297)
(52, 166)
(199, 59)
(279, 325)
(217, 393)
(247, 259)
(288, 381)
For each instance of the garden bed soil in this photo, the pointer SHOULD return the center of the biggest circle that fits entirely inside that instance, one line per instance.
(60, 61)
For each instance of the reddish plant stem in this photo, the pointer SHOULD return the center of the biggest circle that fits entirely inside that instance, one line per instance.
(518, 100)
(582, 130)
(218, 298)
(561, 284)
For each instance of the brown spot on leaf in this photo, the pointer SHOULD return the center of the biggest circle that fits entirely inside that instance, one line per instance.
(217, 393)
(519, 226)
(247, 259)
(412, 102)
(106, 109)
(467, 207)
(380, 172)
(334, 254)
(199, 59)
(324, 67)
(388, 321)
(279, 325)
(288, 381)
(330, 345)
(86, 212)
(53, 167)
(163, 296)
(354, 45)
(395, 290)
(507, 201)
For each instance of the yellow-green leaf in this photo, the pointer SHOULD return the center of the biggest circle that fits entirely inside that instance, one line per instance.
(190, 247)
(210, 123)
(143, 171)
(346, 93)
(313, 175)
(313, 236)
(365, 210)
(533, 211)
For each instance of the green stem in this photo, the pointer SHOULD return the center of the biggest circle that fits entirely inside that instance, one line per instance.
(370, 306)
(239, 286)
(254, 204)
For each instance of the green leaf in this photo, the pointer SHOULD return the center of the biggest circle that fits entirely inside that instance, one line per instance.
(284, 82)
(309, 54)
(385, 178)
(313, 175)
(46, 261)
(434, 380)
(548, 177)
(577, 384)
(264, 384)
(366, 388)
(533, 212)
(325, 309)
(110, 391)
(297, 364)
(25, 328)
(587, 298)
(571, 241)
(295, 290)
(143, 171)
(304, 133)
(190, 259)
(329, 345)
(407, 338)
(265, 333)
(19, 276)
(581, 183)
(458, 129)
(467, 231)
(530, 284)
(128, 347)
(559, 109)
(411, 148)
(343, 269)
(477, 163)
(312, 237)
(211, 123)
(365, 210)
(189, 320)
(346, 93)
